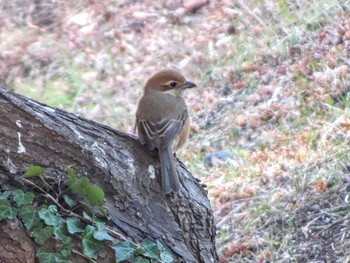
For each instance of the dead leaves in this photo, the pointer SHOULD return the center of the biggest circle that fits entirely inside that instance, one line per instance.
(344, 125)
(251, 98)
(235, 247)
(321, 185)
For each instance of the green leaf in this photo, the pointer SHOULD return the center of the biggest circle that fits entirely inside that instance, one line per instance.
(140, 260)
(34, 171)
(101, 233)
(83, 187)
(41, 235)
(5, 195)
(84, 183)
(151, 250)
(50, 217)
(60, 234)
(87, 216)
(124, 250)
(29, 216)
(74, 225)
(160, 246)
(103, 212)
(330, 101)
(53, 208)
(22, 198)
(73, 184)
(49, 257)
(166, 257)
(71, 172)
(69, 201)
(6, 210)
(78, 185)
(67, 250)
(139, 251)
(65, 240)
(90, 245)
(284, 9)
(95, 195)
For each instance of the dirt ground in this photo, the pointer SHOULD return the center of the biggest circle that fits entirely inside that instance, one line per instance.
(270, 119)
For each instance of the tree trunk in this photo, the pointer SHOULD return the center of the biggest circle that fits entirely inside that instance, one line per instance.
(35, 134)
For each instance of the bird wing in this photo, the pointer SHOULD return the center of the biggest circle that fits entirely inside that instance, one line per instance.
(162, 132)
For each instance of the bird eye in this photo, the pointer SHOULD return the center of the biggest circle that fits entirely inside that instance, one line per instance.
(173, 84)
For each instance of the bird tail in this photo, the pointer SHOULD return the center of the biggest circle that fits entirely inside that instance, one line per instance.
(170, 178)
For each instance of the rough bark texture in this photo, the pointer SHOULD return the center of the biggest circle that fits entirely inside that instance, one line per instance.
(33, 133)
(15, 245)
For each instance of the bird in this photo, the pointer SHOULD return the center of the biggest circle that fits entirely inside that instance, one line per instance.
(162, 121)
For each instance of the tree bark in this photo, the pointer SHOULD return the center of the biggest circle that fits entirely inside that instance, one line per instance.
(35, 134)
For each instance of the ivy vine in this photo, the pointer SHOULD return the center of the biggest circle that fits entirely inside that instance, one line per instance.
(71, 211)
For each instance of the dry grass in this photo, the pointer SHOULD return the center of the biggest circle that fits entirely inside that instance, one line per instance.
(273, 78)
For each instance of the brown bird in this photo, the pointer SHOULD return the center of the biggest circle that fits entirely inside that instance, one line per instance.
(162, 121)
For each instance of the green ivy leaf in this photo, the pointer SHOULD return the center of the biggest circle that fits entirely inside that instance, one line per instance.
(5, 195)
(66, 241)
(124, 250)
(22, 198)
(95, 195)
(53, 208)
(50, 257)
(74, 225)
(101, 233)
(139, 251)
(60, 234)
(103, 212)
(69, 201)
(140, 260)
(6, 210)
(166, 257)
(90, 245)
(50, 216)
(87, 216)
(160, 246)
(34, 171)
(151, 250)
(67, 250)
(29, 216)
(41, 235)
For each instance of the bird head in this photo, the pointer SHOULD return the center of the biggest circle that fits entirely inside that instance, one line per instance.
(169, 81)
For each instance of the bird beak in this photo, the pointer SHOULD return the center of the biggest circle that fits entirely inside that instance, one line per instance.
(188, 85)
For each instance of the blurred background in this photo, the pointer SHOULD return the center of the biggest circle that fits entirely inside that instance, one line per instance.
(270, 115)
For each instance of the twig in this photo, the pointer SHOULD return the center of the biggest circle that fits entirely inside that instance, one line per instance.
(47, 195)
(229, 215)
(82, 255)
(113, 232)
(318, 227)
(342, 5)
(70, 213)
(251, 13)
(47, 184)
(342, 219)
